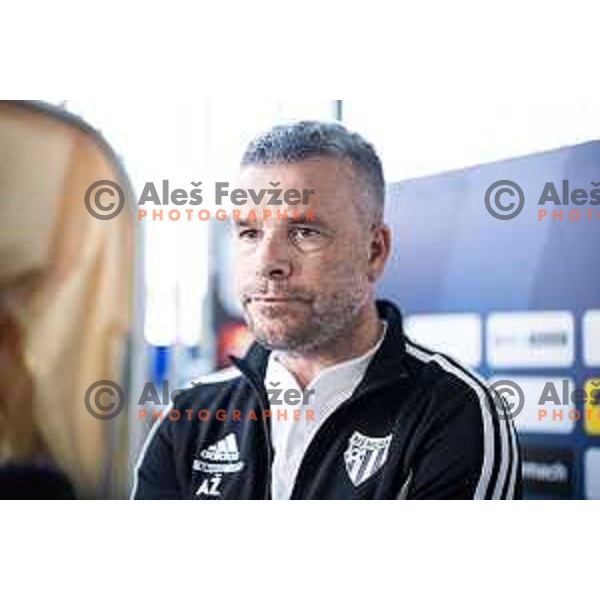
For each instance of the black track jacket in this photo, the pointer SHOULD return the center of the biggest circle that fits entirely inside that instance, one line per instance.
(419, 425)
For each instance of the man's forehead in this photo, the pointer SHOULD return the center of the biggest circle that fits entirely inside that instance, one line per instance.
(324, 186)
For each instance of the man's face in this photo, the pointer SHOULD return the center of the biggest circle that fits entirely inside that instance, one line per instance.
(302, 283)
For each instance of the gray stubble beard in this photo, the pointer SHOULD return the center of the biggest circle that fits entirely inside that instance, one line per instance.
(322, 328)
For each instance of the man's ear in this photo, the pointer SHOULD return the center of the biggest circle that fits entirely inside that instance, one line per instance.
(381, 244)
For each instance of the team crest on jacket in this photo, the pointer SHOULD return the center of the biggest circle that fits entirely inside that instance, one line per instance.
(365, 456)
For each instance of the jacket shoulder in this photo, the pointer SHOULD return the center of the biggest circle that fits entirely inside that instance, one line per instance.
(472, 415)
(207, 387)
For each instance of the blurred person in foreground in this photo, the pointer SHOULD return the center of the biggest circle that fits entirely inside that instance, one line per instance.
(379, 416)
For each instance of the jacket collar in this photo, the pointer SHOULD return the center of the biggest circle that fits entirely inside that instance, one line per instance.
(387, 364)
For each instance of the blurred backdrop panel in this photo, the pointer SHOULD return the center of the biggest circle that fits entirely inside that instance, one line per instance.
(515, 299)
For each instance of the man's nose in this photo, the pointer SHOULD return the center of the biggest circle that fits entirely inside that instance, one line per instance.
(274, 257)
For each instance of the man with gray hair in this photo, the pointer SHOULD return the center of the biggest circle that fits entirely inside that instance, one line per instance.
(367, 413)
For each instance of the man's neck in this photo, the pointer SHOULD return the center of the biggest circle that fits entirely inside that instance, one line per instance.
(358, 338)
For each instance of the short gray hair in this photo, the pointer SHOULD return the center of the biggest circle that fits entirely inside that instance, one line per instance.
(299, 141)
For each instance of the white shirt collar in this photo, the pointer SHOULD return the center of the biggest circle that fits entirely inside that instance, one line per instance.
(332, 386)
(334, 383)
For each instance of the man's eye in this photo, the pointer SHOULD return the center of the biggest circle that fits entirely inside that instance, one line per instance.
(304, 233)
(248, 234)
